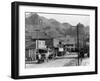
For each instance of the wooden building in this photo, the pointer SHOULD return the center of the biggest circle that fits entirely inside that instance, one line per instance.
(39, 40)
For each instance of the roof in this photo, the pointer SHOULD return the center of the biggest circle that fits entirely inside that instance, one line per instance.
(39, 35)
(67, 40)
(30, 45)
(27, 36)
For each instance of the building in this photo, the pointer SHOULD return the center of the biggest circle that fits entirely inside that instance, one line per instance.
(39, 40)
(68, 42)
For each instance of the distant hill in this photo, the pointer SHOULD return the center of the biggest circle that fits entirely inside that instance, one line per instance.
(86, 29)
(52, 27)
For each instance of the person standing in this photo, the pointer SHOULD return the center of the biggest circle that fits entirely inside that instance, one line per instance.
(61, 49)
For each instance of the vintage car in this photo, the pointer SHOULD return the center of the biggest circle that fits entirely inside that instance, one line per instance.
(43, 54)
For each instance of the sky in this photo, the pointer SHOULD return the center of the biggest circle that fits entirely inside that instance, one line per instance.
(69, 18)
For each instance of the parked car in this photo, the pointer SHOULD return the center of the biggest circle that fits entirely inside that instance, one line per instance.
(41, 55)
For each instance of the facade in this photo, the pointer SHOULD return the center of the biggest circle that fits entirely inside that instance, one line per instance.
(68, 42)
(39, 40)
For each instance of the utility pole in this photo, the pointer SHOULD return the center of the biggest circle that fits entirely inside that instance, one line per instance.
(78, 42)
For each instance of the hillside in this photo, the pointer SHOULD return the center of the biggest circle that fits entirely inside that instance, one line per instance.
(52, 27)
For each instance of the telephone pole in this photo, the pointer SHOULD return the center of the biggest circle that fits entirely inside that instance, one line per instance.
(78, 42)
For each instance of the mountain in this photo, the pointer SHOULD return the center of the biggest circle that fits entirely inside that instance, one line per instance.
(66, 25)
(86, 29)
(52, 27)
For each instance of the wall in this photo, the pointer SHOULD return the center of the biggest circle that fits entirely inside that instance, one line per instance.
(5, 41)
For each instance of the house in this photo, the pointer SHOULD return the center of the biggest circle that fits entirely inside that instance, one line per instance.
(42, 38)
(38, 40)
(30, 51)
(68, 42)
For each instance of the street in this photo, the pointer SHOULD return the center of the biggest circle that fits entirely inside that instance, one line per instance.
(66, 60)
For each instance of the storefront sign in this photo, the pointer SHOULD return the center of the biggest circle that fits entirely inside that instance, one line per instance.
(40, 44)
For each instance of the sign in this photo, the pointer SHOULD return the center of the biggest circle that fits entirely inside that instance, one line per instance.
(40, 44)
(61, 49)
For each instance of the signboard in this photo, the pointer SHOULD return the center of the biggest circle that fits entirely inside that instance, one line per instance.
(40, 44)
(61, 49)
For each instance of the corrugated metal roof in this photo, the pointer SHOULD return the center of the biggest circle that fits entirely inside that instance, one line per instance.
(39, 35)
(30, 45)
